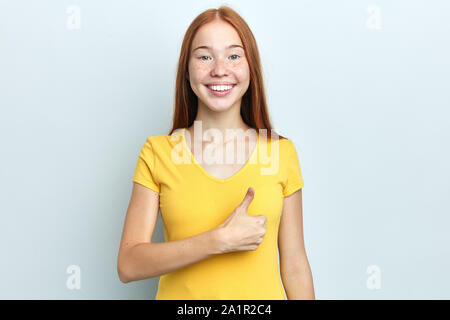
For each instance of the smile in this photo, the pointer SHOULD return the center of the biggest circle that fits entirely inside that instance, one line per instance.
(220, 90)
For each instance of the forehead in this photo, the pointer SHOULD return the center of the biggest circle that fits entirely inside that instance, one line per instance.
(216, 34)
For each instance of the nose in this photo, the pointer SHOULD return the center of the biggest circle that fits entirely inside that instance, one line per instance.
(219, 68)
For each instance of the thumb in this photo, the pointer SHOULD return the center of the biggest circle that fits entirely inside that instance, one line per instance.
(248, 198)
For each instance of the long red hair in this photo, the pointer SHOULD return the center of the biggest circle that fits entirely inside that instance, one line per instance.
(254, 109)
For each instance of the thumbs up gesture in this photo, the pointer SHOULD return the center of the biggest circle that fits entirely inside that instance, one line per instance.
(241, 232)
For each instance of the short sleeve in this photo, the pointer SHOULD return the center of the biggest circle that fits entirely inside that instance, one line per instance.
(145, 168)
(293, 179)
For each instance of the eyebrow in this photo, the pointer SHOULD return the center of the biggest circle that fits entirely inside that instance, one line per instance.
(229, 47)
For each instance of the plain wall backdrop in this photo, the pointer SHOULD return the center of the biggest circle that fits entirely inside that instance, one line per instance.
(361, 87)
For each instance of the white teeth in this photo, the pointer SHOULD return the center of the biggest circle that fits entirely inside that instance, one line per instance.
(220, 88)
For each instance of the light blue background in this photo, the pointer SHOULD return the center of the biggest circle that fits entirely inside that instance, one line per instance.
(368, 111)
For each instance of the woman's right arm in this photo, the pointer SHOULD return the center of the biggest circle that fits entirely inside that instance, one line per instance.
(139, 258)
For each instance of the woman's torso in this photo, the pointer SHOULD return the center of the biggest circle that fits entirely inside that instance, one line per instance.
(193, 200)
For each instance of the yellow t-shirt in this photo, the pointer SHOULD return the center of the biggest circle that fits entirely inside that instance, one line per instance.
(193, 201)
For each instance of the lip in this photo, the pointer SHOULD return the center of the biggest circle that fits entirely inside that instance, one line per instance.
(221, 84)
(221, 93)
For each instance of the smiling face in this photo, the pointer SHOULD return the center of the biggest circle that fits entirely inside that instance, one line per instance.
(218, 57)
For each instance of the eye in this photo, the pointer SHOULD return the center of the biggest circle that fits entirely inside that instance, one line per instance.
(235, 55)
(201, 58)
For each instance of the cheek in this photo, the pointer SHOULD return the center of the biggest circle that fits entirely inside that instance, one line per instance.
(198, 71)
(197, 75)
(242, 73)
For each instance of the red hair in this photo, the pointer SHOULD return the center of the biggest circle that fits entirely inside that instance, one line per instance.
(254, 109)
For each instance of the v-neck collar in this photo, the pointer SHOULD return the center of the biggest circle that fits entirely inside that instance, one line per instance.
(194, 161)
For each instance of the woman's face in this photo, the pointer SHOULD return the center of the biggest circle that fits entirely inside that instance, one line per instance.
(218, 57)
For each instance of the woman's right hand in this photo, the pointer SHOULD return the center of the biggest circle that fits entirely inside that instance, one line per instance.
(241, 232)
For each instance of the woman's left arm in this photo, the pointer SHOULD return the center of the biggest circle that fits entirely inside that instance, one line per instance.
(294, 266)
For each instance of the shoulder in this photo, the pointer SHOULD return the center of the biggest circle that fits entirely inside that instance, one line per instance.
(157, 140)
(161, 145)
(283, 144)
(288, 152)
(286, 145)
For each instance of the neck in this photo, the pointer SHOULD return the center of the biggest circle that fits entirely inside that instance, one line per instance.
(229, 119)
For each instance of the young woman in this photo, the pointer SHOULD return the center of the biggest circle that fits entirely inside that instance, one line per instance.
(224, 223)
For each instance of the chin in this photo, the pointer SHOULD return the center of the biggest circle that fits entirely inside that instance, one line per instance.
(219, 107)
